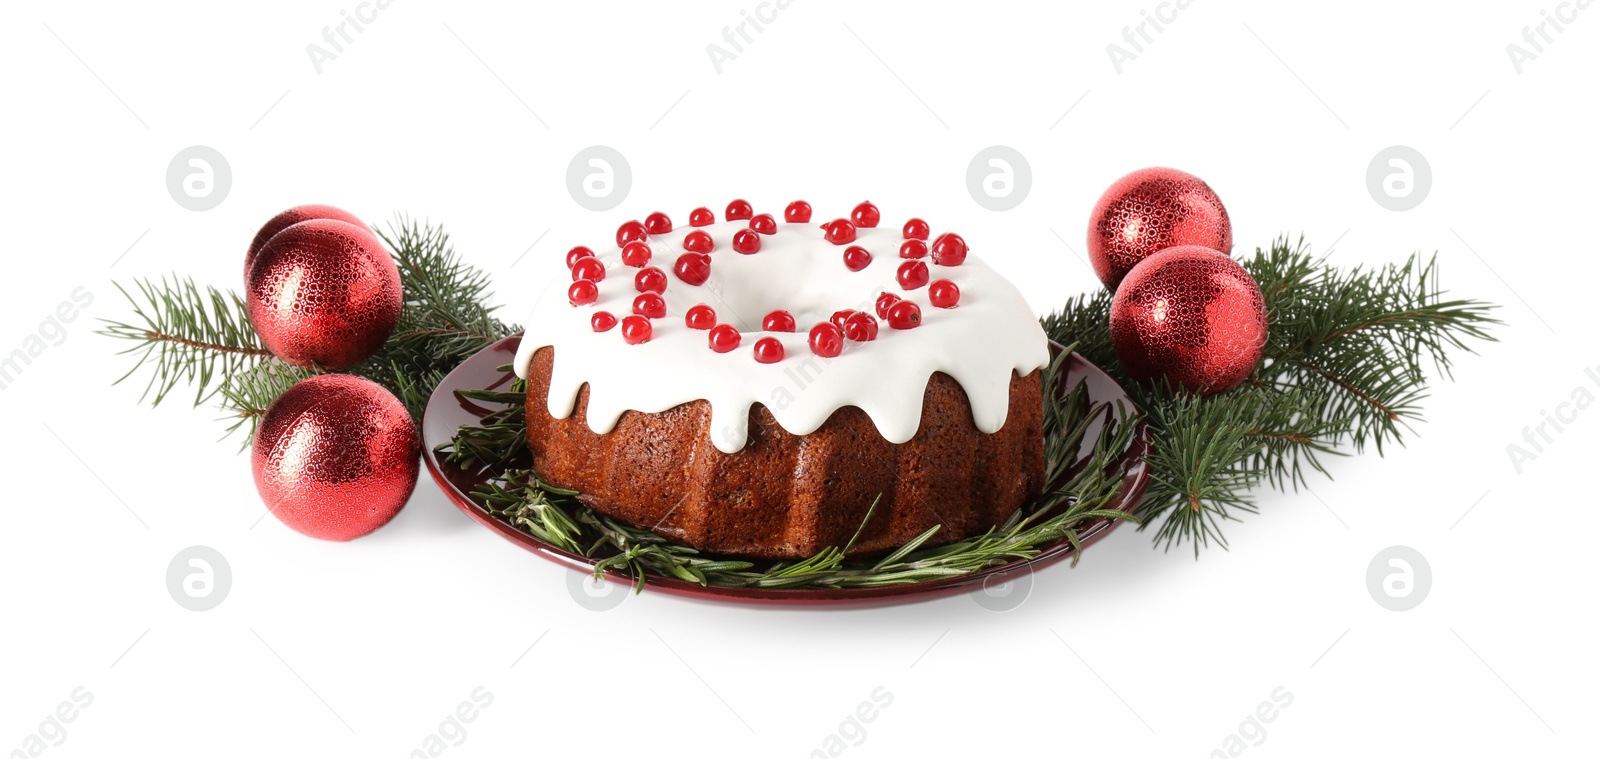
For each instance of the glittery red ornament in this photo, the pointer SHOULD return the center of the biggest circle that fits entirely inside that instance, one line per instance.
(1192, 315)
(1151, 210)
(335, 457)
(290, 218)
(325, 293)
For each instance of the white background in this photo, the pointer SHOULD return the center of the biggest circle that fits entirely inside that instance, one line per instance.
(364, 648)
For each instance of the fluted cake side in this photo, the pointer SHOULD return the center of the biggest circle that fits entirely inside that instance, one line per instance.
(787, 496)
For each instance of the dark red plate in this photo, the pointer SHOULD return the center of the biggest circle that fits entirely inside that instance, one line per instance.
(448, 411)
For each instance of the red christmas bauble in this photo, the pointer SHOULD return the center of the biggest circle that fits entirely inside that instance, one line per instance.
(290, 218)
(323, 292)
(335, 457)
(1192, 315)
(1149, 211)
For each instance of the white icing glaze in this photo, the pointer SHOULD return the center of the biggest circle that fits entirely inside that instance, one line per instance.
(979, 343)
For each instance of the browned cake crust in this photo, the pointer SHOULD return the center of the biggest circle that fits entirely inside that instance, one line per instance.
(789, 496)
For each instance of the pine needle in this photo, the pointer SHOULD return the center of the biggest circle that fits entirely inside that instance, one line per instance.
(186, 336)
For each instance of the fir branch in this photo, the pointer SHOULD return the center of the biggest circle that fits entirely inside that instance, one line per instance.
(1359, 341)
(1346, 363)
(1284, 439)
(204, 338)
(248, 393)
(446, 318)
(186, 336)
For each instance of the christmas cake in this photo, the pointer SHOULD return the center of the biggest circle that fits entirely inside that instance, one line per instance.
(760, 387)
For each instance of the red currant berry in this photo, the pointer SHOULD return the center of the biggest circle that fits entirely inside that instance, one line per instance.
(699, 242)
(778, 321)
(838, 318)
(769, 350)
(885, 300)
(826, 340)
(582, 293)
(636, 253)
(856, 258)
(912, 275)
(694, 268)
(630, 231)
(944, 294)
(701, 317)
(650, 280)
(798, 212)
(702, 217)
(764, 223)
(865, 215)
(636, 329)
(905, 315)
(839, 231)
(746, 242)
(657, 223)
(949, 249)
(913, 249)
(739, 210)
(650, 306)
(602, 321)
(861, 327)
(724, 338)
(916, 229)
(588, 268)
(577, 253)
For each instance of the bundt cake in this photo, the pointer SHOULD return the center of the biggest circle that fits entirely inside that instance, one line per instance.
(758, 388)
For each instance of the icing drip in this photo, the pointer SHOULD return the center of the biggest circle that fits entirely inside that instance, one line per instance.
(980, 343)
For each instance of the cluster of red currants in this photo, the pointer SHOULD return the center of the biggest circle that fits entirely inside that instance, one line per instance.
(693, 267)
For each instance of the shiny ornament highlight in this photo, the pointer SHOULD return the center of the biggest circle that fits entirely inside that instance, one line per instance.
(290, 218)
(1149, 211)
(323, 293)
(335, 457)
(1191, 315)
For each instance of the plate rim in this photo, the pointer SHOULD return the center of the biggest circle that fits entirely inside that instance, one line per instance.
(1134, 483)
